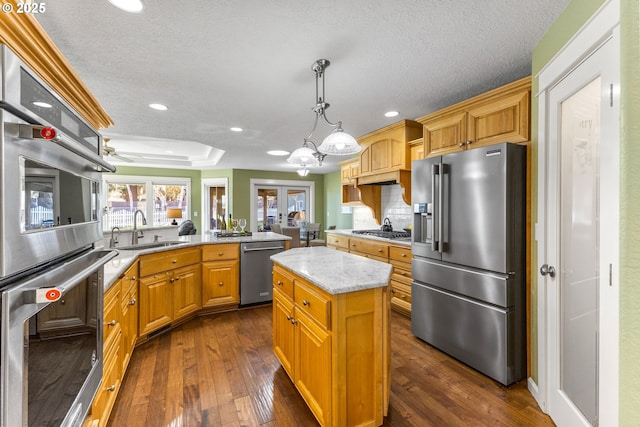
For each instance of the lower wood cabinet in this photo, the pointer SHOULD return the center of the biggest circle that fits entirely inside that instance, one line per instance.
(220, 274)
(170, 288)
(335, 348)
(398, 256)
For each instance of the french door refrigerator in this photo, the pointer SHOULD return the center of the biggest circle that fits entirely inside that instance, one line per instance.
(468, 266)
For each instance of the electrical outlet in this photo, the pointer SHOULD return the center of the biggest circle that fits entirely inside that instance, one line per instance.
(195, 213)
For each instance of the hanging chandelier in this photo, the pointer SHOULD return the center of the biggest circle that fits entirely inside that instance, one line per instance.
(338, 142)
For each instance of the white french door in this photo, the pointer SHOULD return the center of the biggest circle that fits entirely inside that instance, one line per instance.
(280, 202)
(578, 245)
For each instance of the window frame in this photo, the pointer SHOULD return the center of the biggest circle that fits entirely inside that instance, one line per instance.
(148, 182)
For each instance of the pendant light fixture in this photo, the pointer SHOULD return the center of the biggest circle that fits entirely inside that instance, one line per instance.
(338, 142)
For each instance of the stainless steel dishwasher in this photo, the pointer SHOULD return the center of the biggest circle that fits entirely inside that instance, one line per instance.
(255, 271)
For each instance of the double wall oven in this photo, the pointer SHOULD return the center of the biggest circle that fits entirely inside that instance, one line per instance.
(51, 260)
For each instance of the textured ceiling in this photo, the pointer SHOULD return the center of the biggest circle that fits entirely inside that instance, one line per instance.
(218, 64)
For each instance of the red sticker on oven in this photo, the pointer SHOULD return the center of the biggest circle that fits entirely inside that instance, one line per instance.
(47, 295)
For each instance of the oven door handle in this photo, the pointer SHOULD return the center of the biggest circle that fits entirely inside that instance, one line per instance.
(73, 274)
(34, 132)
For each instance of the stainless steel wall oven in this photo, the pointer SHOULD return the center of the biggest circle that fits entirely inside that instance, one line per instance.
(51, 266)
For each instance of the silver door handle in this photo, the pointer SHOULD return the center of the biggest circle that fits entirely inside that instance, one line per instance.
(548, 269)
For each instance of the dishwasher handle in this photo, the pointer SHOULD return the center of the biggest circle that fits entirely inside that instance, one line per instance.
(266, 248)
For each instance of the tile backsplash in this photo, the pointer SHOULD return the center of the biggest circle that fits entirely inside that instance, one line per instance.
(393, 207)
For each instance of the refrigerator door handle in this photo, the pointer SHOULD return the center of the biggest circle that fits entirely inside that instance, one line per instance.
(441, 247)
(434, 174)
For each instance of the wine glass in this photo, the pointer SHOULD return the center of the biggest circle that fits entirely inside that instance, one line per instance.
(235, 225)
(242, 223)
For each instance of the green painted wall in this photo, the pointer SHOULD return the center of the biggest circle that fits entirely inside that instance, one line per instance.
(629, 219)
(196, 190)
(333, 200)
(576, 14)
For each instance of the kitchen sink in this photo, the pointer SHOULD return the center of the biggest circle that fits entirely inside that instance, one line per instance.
(141, 246)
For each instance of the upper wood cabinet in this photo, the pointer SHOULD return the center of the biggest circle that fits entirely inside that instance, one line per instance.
(349, 171)
(386, 150)
(500, 115)
(416, 148)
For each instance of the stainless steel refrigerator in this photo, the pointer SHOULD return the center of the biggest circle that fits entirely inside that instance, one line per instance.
(468, 266)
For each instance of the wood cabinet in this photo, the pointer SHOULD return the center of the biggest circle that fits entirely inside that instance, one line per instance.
(334, 348)
(349, 171)
(500, 115)
(416, 148)
(386, 149)
(112, 367)
(398, 256)
(169, 288)
(129, 313)
(220, 274)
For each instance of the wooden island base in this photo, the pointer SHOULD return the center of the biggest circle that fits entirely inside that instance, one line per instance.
(334, 347)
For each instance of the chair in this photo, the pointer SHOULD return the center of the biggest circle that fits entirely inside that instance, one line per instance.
(276, 228)
(313, 235)
(294, 233)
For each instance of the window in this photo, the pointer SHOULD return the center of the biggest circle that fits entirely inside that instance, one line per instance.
(124, 195)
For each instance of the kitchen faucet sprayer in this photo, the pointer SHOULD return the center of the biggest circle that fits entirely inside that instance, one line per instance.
(137, 234)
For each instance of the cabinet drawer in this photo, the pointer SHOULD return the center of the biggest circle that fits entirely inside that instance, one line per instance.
(129, 279)
(400, 253)
(402, 273)
(369, 247)
(223, 251)
(283, 281)
(106, 394)
(401, 291)
(312, 303)
(112, 312)
(338, 241)
(156, 263)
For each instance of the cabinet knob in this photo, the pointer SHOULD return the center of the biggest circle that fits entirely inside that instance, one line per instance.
(379, 250)
(461, 144)
(305, 302)
(279, 282)
(469, 142)
(132, 301)
(220, 284)
(172, 280)
(403, 255)
(220, 253)
(403, 296)
(112, 323)
(173, 261)
(353, 244)
(178, 278)
(404, 273)
(293, 321)
(393, 291)
(289, 317)
(133, 278)
(62, 301)
(112, 388)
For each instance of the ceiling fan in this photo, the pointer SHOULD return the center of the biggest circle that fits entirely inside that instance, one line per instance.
(110, 151)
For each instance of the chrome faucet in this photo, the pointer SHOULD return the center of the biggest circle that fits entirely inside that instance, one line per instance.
(114, 240)
(137, 234)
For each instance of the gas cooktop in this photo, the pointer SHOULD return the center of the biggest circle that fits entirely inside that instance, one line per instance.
(385, 234)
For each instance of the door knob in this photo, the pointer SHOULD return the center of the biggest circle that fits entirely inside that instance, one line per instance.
(548, 269)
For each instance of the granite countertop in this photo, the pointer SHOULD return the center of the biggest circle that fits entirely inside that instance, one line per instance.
(335, 272)
(348, 232)
(114, 268)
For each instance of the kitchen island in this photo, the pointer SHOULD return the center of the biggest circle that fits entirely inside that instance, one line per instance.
(331, 313)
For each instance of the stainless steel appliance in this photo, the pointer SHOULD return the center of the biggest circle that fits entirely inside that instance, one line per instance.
(51, 287)
(468, 267)
(255, 271)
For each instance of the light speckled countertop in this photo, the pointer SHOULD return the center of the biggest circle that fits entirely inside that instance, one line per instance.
(334, 271)
(349, 233)
(114, 268)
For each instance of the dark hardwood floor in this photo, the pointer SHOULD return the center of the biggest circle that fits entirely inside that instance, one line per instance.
(220, 370)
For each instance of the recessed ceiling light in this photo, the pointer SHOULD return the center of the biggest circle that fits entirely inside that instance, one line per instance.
(42, 104)
(132, 6)
(391, 114)
(235, 129)
(278, 152)
(159, 107)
